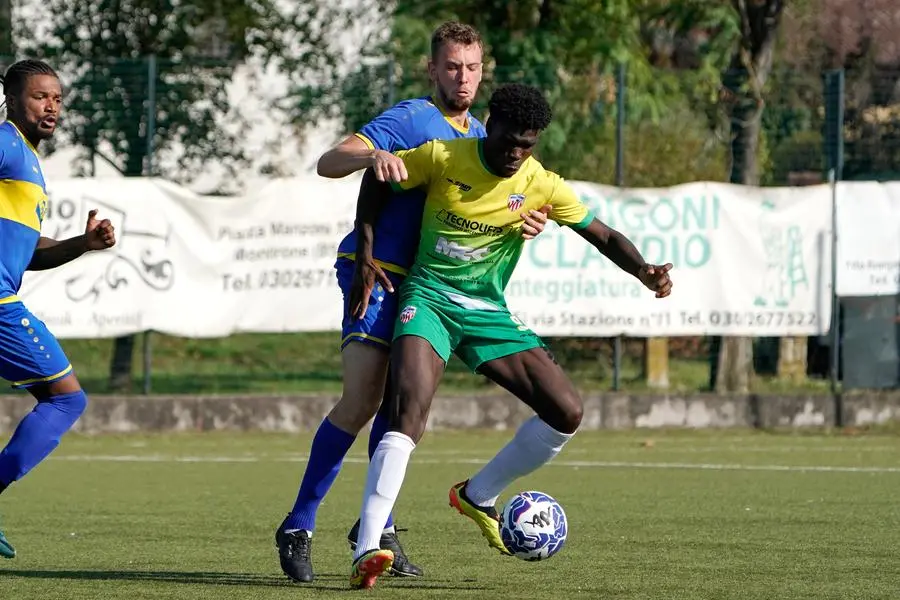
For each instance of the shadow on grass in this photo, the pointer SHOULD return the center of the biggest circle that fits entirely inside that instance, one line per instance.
(328, 581)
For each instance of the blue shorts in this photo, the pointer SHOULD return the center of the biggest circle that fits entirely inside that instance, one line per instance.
(29, 354)
(377, 327)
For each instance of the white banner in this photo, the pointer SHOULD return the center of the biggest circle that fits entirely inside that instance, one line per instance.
(196, 266)
(868, 257)
(747, 261)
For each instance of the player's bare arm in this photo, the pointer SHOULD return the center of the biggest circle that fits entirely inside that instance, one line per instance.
(50, 253)
(374, 196)
(353, 154)
(619, 249)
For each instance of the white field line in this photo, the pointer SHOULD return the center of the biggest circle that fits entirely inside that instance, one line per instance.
(580, 464)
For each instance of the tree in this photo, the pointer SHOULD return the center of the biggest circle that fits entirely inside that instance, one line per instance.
(743, 85)
(147, 82)
(6, 30)
(571, 50)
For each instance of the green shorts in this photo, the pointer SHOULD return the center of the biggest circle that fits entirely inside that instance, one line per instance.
(475, 336)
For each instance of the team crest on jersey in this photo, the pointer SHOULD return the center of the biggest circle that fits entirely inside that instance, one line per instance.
(515, 202)
(407, 314)
(41, 210)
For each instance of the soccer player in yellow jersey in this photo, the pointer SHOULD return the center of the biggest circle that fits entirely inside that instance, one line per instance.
(30, 357)
(452, 301)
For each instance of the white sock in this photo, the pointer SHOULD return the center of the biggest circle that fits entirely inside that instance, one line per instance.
(533, 446)
(383, 482)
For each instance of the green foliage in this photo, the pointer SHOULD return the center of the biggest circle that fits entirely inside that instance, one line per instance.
(572, 51)
(104, 48)
(803, 151)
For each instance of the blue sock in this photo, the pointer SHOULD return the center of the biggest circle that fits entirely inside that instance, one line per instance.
(325, 457)
(39, 433)
(379, 428)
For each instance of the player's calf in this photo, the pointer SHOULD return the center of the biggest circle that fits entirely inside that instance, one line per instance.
(39, 434)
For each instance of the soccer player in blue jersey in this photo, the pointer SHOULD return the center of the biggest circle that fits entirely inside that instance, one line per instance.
(455, 68)
(30, 357)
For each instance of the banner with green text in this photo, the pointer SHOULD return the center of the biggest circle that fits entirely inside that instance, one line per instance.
(747, 262)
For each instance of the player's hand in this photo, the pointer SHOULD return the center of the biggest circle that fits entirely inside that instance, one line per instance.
(99, 235)
(656, 278)
(366, 277)
(535, 220)
(388, 167)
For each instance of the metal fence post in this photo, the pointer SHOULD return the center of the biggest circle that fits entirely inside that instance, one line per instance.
(152, 74)
(834, 152)
(620, 181)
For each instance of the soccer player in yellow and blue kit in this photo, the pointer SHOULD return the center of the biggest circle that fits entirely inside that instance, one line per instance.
(30, 357)
(453, 302)
(455, 68)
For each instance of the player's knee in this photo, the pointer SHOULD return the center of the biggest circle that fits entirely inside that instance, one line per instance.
(351, 413)
(412, 416)
(72, 404)
(61, 411)
(573, 415)
(570, 411)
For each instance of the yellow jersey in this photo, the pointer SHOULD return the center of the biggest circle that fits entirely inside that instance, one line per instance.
(471, 236)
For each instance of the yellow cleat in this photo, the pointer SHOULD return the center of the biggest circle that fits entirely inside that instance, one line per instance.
(368, 567)
(487, 519)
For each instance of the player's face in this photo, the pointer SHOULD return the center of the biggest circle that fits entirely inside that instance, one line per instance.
(507, 147)
(40, 105)
(456, 73)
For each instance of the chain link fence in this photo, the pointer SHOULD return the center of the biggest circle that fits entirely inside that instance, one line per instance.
(613, 126)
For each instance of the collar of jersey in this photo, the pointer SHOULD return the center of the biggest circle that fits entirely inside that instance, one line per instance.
(22, 135)
(449, 119)
(483, 161)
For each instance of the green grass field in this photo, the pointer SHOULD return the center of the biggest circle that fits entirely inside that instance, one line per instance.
(310, 362)
(680, 514)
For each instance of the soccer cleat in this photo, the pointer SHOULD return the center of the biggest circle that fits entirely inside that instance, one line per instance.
(401, 567)
(368, 567)
(487, 518)
(6, 549)
(294, 550)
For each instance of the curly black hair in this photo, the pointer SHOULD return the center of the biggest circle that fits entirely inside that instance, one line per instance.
(522, 106)
(17, 74)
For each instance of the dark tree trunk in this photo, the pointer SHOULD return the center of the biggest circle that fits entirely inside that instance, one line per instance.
(743, 83)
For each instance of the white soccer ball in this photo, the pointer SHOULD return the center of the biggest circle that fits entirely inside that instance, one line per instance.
(533, 526)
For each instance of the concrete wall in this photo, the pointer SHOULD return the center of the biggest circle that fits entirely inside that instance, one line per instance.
(613, 411)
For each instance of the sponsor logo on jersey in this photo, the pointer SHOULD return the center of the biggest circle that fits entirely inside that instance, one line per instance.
(457, 251)
(465, 224)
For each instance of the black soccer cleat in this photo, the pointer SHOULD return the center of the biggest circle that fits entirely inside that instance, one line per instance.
(294, 550)
(401, 566)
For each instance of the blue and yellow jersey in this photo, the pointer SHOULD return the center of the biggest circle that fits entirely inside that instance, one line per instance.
(23, 200)
(471, 236)
(406, 125)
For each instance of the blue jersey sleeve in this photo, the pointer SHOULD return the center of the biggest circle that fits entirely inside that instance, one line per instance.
(397, 128)
(4, 141)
